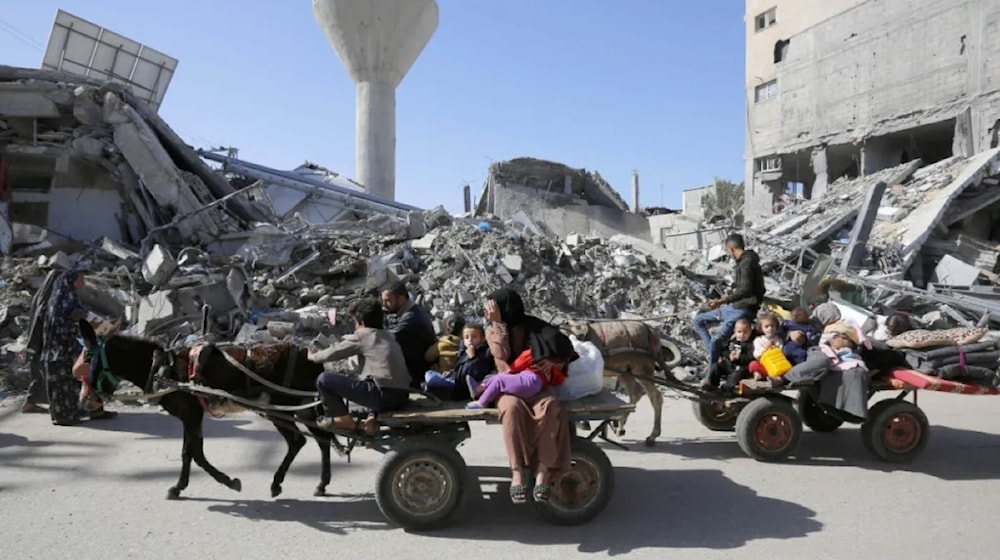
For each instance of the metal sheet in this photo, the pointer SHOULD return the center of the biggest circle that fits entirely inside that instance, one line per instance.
(80, 47)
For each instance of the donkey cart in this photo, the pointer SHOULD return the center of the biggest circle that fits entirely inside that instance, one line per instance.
(421, 481)
(768, 423)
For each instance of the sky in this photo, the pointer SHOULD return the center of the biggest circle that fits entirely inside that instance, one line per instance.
(646, 85)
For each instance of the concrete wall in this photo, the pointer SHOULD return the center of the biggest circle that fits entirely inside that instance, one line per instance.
(691, 201)
(680, 233)
(875, 68)
(564, 215)
(82, 202)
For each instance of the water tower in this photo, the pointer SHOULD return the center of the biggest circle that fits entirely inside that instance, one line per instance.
(377, 41)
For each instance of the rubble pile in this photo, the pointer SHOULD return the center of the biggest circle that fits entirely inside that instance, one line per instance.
(926, 245)
(97, 134)
(282, 285)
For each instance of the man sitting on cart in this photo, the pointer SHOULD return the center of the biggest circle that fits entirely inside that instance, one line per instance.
(742, 302)
(384, 381)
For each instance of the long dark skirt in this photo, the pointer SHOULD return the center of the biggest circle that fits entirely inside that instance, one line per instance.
(63, 390)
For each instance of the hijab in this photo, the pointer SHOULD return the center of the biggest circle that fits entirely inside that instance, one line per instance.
(64, 298)
(544, 339)
(59, 331)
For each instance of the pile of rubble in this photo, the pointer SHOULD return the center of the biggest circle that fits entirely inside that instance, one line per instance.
(281, 285)
(923, 242)
(97, 136)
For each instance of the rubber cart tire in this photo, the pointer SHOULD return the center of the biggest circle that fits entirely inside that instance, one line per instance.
(420, 484)
(814, 416)
(581, 492)
(898, 432)
(769, 429)
(714, 415)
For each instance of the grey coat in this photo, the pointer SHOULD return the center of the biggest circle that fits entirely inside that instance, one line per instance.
(380, 356)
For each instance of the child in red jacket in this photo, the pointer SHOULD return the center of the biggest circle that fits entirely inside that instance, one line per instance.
(522, 380)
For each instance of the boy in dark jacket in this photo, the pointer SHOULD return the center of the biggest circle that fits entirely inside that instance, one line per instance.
(735, 362)
(800, 334)
(474, 362)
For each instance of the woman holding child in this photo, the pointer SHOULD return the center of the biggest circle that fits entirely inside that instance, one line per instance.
(535, 429)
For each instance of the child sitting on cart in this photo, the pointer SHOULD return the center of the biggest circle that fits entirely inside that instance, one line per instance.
(525, 379)
(840, 343)
(800, 334)
(734, 365)
(474, 362)
(384, 383)
(768, 339)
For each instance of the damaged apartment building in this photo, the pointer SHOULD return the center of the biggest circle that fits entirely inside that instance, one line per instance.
(550, 198)
(840, 90)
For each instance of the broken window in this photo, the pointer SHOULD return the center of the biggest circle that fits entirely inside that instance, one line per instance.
(766, 91)
(781, 50)
(769, 163)
(795, 189)
(766, 19)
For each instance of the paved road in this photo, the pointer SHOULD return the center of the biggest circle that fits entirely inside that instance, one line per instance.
(98, 490)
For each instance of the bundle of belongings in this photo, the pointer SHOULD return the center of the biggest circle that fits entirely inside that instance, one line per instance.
(953, 354)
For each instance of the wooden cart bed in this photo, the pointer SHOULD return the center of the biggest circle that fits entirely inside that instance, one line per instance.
(597, 407)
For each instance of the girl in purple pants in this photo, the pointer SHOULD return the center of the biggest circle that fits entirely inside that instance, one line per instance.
(525, 384)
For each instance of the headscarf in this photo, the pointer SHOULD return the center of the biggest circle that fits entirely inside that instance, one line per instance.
(511, 306)
(59, 331)
(545, 340)
(826, 313)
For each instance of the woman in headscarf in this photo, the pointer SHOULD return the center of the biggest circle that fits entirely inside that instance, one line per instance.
(60, 349)
(536, 430)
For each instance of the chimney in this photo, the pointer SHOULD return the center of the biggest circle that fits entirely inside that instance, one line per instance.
(635, 192)
(467, 193)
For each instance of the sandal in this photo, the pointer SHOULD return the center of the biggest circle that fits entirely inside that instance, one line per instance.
(542, 492)
(519, 493)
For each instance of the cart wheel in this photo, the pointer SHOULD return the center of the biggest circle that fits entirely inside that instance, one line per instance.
(420, 484)
(581, 492)
(866, 426)
(898, 431)
(768, 429)
(814, 416)
(715, 415)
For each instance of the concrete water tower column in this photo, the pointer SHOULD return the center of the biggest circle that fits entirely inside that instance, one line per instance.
(377, 41)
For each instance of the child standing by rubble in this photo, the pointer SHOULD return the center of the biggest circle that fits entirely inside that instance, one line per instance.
(735, 364)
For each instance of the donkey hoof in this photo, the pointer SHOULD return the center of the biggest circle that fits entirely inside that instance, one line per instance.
(275, 490)
(236, 485)
(320, 491)
(174, 493)
(650, 442)
(621, 432)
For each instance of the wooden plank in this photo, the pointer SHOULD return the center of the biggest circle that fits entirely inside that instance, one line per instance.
(422, 410)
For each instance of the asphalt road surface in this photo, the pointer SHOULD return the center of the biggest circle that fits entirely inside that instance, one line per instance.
(99, 490)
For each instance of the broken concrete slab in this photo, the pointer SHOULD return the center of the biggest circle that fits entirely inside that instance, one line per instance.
(953, 272)
(513, 263)
(918, 225)
(159, 266)
(24, 100)
(155, 310)
(646, 247)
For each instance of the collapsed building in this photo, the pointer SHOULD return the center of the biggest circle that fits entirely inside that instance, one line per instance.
(849, 88)
(552, 198)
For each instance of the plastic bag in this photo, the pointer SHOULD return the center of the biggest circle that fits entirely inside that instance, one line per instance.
(586, 373)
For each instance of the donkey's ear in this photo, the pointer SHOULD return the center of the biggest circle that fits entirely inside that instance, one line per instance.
(88, 334)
